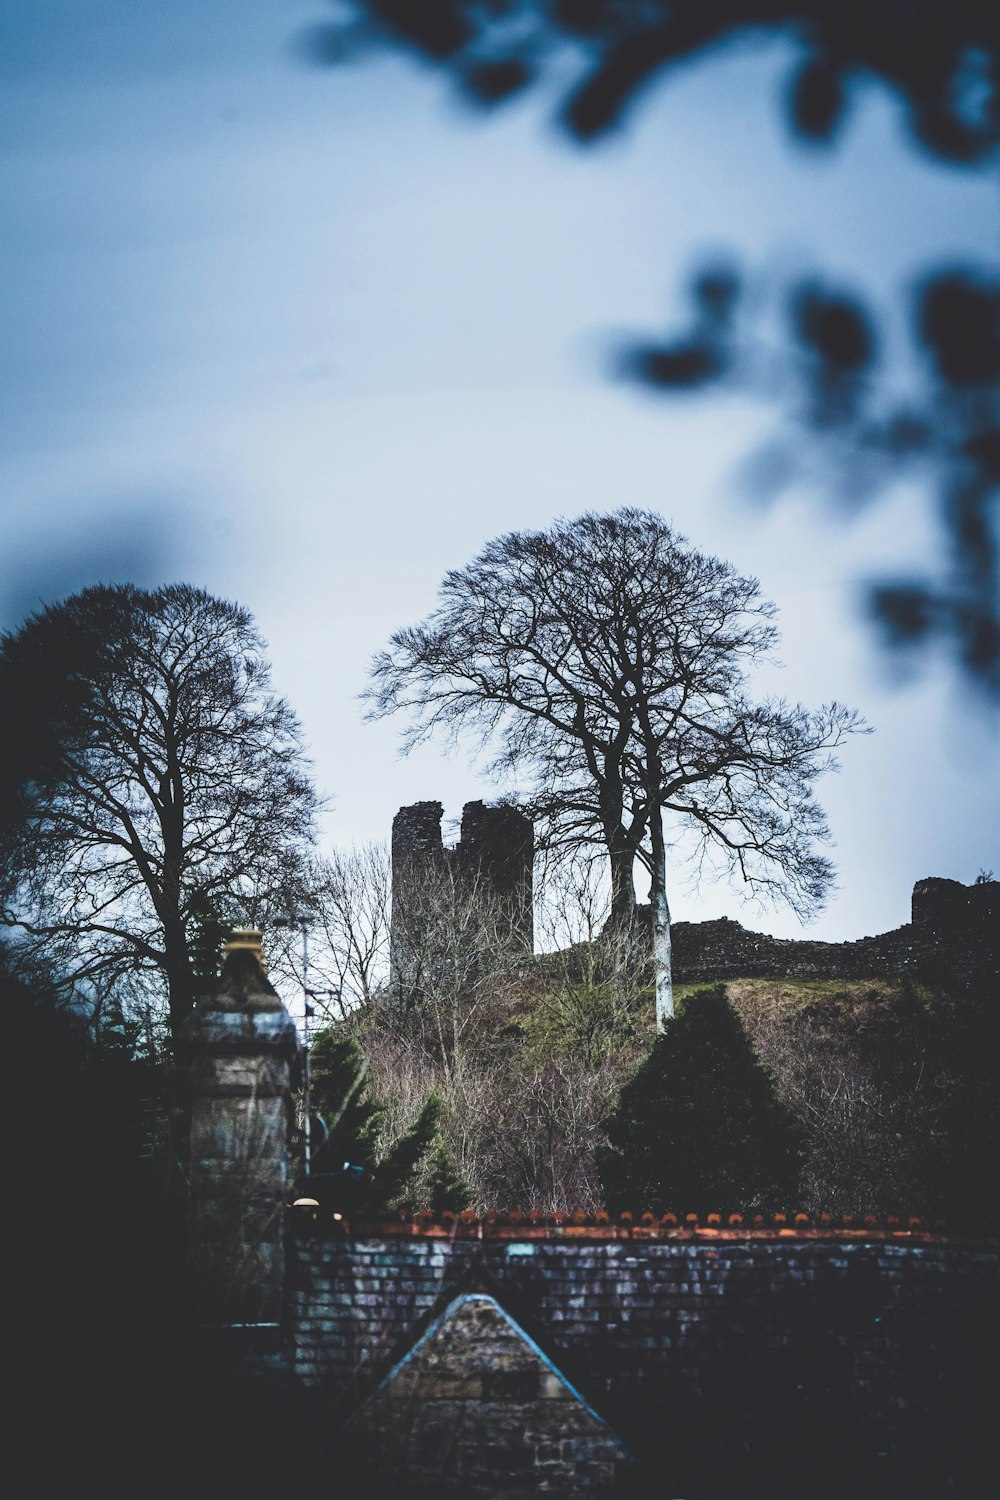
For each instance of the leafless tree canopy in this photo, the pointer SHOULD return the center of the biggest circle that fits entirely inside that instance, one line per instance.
(345, 908)
(608, 660)
(154, 779)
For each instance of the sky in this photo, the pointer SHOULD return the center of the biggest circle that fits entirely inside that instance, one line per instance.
(310, 337)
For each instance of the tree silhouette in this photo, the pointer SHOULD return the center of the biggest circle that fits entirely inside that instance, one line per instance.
(155, 785)
(700, 1127)
(607, 659)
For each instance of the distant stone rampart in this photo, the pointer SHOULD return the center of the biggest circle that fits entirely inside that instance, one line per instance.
(952, 935)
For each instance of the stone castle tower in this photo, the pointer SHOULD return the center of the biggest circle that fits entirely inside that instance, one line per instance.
(495, 853)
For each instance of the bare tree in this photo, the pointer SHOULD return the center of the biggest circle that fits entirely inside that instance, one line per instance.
(525, 1054)
(444, 1023)
(608, 659)
(455, 962)
(864, 1073)
(155, 778)
(586, 1005)
(539, 1139)
(346, 911)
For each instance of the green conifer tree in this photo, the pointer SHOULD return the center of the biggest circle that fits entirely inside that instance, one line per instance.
(699, 1127)
(349, 1171)
(445, 1189)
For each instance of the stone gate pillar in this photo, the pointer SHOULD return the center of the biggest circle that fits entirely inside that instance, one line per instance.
(243, 1055)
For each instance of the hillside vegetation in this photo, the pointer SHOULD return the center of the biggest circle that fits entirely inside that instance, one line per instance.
(892, 1084)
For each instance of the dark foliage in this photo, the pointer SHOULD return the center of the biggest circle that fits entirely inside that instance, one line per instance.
(95, 1245)
(943, 65)
(963, 1149)
(210, 920)
(351, 1174)
(699, 1128)
(156, 787)
(946, 428)
(940, 61)
(446, 1191)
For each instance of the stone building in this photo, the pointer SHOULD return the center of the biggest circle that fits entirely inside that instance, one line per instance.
(526, 1355)
(952, 933)
(243, 1059)
(491, 864)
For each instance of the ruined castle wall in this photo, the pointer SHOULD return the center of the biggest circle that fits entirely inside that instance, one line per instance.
(496, 848)
(416, 848)
(953, 935)
(723, 949)
(416, 841)
(726, 1354)
(498, 844)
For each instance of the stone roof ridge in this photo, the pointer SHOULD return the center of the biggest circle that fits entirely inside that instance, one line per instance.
(449, 1353)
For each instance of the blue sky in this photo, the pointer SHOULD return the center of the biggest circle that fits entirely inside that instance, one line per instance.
(309, 338)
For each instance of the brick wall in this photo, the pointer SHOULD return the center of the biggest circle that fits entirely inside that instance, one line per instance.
(816, 1356)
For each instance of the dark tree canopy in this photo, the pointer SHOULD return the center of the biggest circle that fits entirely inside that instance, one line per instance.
(699, 1128)
(156, 786)
(942, 61)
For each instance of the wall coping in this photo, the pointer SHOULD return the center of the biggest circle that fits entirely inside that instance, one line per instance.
(601, 1228)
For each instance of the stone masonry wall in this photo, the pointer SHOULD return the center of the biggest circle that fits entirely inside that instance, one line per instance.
(953, 935)
(499, 843)
(477, 1400)
(496, 848)
(713, 1353)
(723, 949)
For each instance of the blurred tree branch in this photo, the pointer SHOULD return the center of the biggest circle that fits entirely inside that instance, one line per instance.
(942, 64)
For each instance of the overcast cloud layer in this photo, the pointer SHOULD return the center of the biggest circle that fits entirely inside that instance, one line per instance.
(310, 338)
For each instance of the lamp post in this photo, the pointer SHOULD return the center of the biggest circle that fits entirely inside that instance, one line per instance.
(310, 1011)
(307, 1013)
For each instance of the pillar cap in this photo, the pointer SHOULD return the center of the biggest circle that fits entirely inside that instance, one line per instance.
(246, 939)
(243, 984)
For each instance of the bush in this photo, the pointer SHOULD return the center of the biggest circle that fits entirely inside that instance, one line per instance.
(350, 1173)
(445, 1190)
(699, 1127)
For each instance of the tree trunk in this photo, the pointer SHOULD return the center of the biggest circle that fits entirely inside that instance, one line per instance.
(180, 978)
(662, 955)
(622, 887)
(622, 944)
(177, 957)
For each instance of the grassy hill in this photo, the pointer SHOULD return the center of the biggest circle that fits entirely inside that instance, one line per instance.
(895, 1082)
